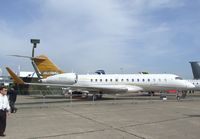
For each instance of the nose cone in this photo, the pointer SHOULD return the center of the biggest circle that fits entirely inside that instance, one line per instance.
(190, 85)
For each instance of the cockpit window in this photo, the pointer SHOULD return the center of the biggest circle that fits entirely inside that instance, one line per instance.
(178, 78)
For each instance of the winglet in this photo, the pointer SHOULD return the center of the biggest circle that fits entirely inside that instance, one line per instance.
(16, 79)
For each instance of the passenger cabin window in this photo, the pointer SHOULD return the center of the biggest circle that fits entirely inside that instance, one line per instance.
(154, 80)
(148, 80)
(138, 80)
(91, 80)
(143, 80)
(111, 80)
(106, 80)
(116, 80)
(132, 80)
(96, 80)
(122, 80)
(159, 80)
(127, 80)
(100, 80)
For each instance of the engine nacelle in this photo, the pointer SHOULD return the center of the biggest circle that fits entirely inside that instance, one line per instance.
(65, 78)
(133, 89)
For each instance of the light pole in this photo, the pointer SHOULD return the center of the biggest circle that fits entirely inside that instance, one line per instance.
(34, 42)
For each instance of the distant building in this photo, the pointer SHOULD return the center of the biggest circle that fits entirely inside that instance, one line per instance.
(5, 80)
(27, 74)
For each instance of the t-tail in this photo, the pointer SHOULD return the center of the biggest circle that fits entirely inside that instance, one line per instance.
(45, 67)
(195, 69)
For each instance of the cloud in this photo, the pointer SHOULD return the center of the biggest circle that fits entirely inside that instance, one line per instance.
(83, 30)
(85, 35)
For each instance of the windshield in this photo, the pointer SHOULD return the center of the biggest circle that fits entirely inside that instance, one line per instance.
(178, 78)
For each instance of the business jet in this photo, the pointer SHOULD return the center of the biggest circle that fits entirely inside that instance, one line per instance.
(50, 74)
(111, 83)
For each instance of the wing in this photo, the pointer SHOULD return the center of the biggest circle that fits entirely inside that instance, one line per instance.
(107, 88)
(86, 87)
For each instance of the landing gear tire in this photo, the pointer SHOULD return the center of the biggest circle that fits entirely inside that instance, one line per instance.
(184, 94)
(178, 98)
(151, 93)
(99, 96)
(95, 97)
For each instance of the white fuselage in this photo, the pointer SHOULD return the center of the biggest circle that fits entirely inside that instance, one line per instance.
(153, 82)
(146, 82)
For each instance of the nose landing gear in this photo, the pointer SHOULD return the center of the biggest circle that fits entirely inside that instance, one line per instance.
(181, 95)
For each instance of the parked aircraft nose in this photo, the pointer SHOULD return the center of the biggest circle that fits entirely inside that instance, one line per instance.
(190, 85)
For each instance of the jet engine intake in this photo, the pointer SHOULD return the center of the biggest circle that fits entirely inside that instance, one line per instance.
(65, 78)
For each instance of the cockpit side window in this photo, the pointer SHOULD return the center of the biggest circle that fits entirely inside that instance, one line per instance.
(178, 78)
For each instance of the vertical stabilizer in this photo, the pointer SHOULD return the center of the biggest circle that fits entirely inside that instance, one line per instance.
(45, 66)
(195, 69)
(16, 79)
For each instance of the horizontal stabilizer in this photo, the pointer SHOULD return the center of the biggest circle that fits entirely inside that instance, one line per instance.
(37, 58)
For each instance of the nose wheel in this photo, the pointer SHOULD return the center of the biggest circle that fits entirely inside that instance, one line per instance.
(180, 95)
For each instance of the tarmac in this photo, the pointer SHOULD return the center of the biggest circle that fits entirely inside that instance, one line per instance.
(138, 117)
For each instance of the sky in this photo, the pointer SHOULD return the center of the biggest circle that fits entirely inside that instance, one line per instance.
(119, 36)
